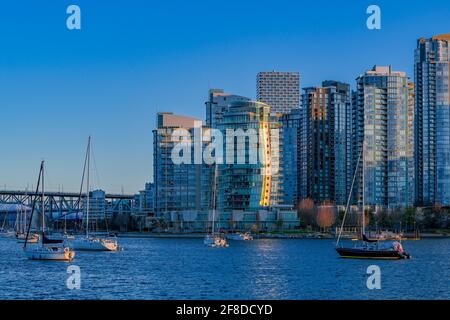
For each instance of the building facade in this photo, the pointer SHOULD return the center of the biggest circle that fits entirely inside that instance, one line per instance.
(217, 104)
(280, 90)
(432, 120)
(384, 137)
(144, 202)
(326, 144)
(255, 183)
(293, 190)
(184, 186)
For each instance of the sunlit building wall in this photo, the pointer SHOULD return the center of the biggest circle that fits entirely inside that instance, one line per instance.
(250, 186)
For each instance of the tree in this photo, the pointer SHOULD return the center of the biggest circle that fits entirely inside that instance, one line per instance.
(326, 215)
(408, 217)
(306, 212)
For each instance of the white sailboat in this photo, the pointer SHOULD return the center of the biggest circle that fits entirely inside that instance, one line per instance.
(90, 242)
(4, 231)
(240, 236)
(48, 249)
(32, 238)
(21, 227)
(214, 240)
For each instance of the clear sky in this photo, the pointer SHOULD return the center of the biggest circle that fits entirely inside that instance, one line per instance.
(133, 58)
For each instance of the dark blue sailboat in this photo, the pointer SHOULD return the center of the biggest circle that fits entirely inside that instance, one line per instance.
(368, 249)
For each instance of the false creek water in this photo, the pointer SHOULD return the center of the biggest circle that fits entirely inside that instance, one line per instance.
(259, 269)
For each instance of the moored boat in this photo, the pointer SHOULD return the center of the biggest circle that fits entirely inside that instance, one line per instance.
(368, 248)
(392, 250)
(94, 244)
(7, 233)
(213, 239)
(90, 242)
(50, 250)
(239, 236)
(47, 249)
(32, 238)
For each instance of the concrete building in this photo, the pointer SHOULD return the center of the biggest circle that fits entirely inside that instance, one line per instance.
(280, 90)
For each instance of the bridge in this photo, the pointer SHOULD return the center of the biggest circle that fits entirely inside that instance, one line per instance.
(65, 203)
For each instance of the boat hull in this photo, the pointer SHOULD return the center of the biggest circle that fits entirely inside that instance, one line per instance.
(50, 253)
(215, 242)
(31, 240)
(34, 238)
(355, 253)
(8, 234)
(239, 237)
(94, 245)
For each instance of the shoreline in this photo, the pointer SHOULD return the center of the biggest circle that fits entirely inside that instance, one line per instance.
(314, 236)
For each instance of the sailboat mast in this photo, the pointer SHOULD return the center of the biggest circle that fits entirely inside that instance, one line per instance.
(364, 187)
(43, 202)
(65, 216)
(214, 198)
(87, 185)
(36, 193)
(349, 197)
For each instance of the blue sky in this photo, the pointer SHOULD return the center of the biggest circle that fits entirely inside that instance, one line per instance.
(133, 58)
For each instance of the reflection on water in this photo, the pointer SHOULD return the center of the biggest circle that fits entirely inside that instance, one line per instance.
(259, 269)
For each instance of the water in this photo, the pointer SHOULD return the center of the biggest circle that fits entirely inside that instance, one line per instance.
(259, 269)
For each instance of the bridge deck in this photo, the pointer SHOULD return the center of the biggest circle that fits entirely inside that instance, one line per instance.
(63, 194)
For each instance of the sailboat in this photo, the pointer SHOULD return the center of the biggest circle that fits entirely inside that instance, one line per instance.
(369, 248)
(89, 242)
(21, 229)
(240, 236)
(214, 240)
(4, 231)
(48, 249)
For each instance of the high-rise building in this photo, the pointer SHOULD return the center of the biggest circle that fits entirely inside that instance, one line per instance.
(218, 102)
(326, 152)
(383, 103)
(342, 130)
(280, 90)
(178, 186)
(432, 120)
(293, 190)
(254, 183)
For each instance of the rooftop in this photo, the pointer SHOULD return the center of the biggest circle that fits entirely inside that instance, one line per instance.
(442, 37)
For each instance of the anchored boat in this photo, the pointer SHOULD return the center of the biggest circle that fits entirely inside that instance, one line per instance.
(91, 242)
(374, 249)
(214, 240)
(368, 249)
(48, 249)
(239, 236)
(32, 238)
(21, 227)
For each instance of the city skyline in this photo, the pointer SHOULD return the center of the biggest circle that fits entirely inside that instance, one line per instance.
(63, 105)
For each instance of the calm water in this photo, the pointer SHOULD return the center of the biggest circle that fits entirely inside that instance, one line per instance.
(261, 269)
